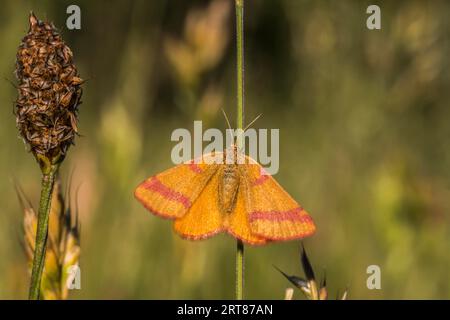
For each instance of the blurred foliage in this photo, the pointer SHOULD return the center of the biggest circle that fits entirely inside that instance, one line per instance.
(364, 140)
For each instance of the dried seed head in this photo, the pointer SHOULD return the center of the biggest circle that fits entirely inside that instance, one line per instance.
(49, 93)
(289, 294)
(309, 286)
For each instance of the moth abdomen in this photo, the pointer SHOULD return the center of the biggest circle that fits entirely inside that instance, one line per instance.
(228, 188)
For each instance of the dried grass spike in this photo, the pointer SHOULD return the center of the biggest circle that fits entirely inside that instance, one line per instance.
(49, 92)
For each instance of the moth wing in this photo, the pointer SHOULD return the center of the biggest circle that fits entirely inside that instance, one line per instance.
(171, 193)
(203, 219)
(272, 213)
(238, 224)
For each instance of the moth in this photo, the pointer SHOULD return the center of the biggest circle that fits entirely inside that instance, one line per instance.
(225, 192)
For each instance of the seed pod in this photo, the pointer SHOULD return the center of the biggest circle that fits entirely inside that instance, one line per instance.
(49, 93)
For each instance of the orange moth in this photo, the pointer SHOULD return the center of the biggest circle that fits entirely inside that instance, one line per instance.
(225, 192)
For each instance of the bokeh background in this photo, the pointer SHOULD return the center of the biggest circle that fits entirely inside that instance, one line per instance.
(364, 128)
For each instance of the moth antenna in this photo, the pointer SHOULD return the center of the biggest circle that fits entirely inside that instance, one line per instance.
(253, 121)
(226, 118)
(228, 123)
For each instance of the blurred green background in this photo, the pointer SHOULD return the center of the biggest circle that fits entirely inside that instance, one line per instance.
(364, 130)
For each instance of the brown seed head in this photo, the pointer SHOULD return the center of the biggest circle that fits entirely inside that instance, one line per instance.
(49, 92)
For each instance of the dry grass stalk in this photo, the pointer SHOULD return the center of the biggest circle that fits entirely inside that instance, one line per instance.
(49, 93)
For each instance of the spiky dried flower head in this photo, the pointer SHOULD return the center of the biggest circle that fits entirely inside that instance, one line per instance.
(63, 245)
(49, 93)
(309, 286)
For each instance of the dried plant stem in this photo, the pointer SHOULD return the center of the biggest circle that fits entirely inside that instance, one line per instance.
(48, 180)
(240, 125)
(239, 270)
(240, 64)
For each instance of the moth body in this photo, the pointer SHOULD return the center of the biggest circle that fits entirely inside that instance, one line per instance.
(228, 187)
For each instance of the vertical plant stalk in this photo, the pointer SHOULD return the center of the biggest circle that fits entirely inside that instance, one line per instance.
(240, 125)
(62, 252)
(239, 270)
(46, 109)
(48, 181)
